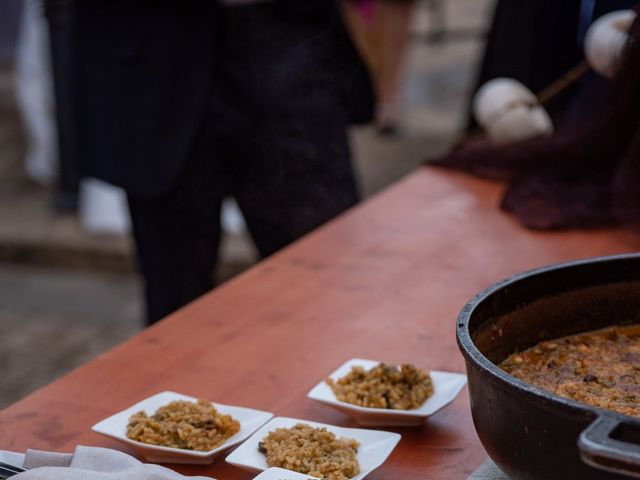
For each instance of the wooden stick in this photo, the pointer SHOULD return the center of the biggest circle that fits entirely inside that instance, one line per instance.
(563, 83)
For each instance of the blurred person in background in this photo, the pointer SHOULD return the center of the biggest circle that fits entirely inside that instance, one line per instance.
(24, 41)
(586, 173)
(538, 41)
(382, 29)
(184, 103)
(35, 94)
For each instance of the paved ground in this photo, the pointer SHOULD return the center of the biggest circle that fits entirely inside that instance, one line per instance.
(54, 320)
(66, 296)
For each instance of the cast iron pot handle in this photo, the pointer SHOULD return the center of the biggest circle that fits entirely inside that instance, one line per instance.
(600, 450)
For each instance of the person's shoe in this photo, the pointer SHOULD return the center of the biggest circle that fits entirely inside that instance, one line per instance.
(388, 130)
(387, 120)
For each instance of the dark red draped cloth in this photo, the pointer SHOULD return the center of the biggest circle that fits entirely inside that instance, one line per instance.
(587, 174)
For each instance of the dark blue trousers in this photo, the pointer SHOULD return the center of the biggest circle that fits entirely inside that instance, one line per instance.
(274, 137)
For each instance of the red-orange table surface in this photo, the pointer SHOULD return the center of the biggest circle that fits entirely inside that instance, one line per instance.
(384, 281)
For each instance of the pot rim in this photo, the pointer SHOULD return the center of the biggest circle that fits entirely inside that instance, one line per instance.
(496, 374)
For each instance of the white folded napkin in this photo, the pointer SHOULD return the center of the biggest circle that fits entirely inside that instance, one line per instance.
(92, 463)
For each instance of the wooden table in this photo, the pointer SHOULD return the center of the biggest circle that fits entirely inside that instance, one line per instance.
(384, 281)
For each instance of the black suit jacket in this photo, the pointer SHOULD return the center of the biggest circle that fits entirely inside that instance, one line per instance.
(142, 80)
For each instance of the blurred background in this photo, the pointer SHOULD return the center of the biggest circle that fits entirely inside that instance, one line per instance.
(68, 287)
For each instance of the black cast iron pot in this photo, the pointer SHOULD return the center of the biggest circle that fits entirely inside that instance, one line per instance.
(529, 433)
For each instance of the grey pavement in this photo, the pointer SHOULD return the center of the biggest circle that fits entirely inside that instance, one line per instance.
(54, 320)
(66, 296)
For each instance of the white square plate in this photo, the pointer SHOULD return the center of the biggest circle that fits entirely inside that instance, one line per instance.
(282, 474)
(375, 446)
(446, 387)
(116, 427)
(12, 458)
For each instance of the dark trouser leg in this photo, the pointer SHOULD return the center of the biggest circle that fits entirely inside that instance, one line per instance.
(299, 177)
(61, 27)
(293, 169)
(176, 253)
(177, 236)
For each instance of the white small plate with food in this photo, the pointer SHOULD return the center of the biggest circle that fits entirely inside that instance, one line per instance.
(212, 431)
(275, 473)
(445, 387)
(357, 452)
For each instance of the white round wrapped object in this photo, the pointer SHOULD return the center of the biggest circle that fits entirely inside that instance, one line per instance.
(103, 207)
(497, 96)
(606, 39)
(520, 123)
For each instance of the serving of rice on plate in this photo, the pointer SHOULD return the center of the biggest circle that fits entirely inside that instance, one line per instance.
(312, 451)
(384, 386)
(319, 450)
(183, 424)
(170, 427)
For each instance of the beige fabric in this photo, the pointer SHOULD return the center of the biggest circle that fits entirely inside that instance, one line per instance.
(35, 458)
(91, 463)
